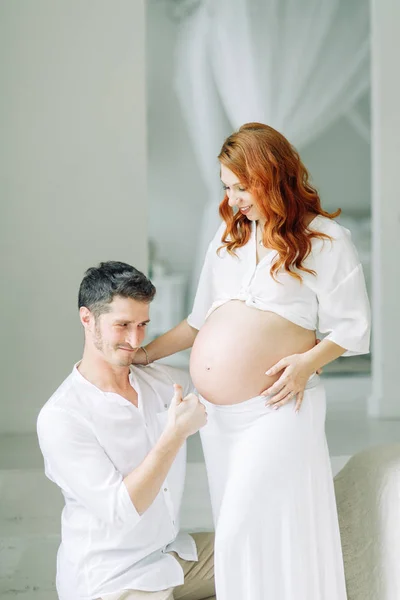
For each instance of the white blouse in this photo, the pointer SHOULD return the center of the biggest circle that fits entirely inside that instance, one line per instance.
(90, 441)
(334, 301)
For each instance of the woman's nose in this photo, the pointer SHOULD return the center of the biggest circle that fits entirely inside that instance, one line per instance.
(232, 199)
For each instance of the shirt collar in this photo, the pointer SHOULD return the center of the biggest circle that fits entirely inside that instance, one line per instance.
(109, 395)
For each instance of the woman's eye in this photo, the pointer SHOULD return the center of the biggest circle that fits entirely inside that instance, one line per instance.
(240, 189)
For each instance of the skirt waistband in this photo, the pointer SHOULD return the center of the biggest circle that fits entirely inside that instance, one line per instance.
(249, 404)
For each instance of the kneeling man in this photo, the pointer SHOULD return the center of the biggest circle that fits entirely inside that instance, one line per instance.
(113, 437)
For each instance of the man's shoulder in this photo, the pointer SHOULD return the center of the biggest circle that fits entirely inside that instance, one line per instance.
(66, 400)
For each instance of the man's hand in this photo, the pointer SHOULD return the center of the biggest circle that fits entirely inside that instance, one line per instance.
(186, 415)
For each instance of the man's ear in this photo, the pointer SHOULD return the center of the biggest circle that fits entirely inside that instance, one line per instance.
(86, 317)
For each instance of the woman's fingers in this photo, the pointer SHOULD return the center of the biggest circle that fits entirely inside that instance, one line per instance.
(277, 397)
(284, 396)
(282, 364)
(299, 400)
(288, 398)
(277, 387)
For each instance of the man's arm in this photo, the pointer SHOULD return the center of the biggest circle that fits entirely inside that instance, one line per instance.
(186, 416)
(79, 465)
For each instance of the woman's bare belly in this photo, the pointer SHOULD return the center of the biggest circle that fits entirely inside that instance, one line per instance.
(235, 347)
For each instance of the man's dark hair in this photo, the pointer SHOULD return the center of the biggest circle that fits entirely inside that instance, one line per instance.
(101, 284)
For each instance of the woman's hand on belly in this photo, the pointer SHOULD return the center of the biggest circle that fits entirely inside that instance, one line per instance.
(292, 382)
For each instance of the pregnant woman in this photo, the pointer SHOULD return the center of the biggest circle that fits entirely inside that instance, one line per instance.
(278, 268)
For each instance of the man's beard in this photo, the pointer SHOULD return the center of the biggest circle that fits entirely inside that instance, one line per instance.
(98, 339)
(109, 352)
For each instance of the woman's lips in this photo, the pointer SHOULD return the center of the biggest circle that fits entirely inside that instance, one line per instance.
(245, 209)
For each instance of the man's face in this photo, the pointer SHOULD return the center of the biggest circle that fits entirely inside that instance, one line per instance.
(118, 334)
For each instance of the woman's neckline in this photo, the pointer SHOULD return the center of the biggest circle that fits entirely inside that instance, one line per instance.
(270, 250)
(254, 223)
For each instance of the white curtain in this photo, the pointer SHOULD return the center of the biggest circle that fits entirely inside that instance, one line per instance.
(297, 65)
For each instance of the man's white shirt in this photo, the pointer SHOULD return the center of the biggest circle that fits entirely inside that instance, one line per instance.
(90, 441)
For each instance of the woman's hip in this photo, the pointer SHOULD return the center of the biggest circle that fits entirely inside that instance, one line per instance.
(264, 452)
(253, 417)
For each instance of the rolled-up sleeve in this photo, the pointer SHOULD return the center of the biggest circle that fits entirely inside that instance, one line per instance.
(343, 304)
(77, 463)
(205, 294)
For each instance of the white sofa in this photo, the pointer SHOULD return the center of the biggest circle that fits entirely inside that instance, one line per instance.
(368, 499)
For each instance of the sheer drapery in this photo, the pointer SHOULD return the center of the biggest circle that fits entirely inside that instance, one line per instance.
(296, 65)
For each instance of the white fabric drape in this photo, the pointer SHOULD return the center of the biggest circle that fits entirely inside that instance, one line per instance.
(295, 65)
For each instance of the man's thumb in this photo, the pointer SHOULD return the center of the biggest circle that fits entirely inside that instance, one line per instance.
(177, 399)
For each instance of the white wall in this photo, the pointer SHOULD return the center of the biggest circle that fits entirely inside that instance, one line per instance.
(385, 401)
(339, 161)
(177, 193)
(340, 165)
(73, 178)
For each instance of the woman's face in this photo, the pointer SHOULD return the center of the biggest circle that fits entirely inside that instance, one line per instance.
(238, 196)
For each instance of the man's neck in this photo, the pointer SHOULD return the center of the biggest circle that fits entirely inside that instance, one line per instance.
(104, 376)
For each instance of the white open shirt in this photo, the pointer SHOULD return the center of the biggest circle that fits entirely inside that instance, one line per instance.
(335, 301)
(90, 441)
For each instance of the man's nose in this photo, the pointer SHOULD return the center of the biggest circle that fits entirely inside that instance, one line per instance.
(134, 339)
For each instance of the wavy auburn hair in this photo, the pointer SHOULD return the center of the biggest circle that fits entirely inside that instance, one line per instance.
(271, 170)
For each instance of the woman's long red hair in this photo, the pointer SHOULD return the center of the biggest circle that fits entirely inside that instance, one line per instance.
(271, 170)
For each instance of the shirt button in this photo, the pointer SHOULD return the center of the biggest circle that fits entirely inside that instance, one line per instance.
(165, 405)
(165, 489)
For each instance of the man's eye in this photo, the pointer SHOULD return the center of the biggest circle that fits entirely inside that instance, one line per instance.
(143, 324)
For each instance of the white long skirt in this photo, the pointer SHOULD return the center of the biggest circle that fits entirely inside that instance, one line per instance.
(272, 495)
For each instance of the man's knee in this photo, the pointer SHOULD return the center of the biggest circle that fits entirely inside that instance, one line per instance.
(204, 543)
